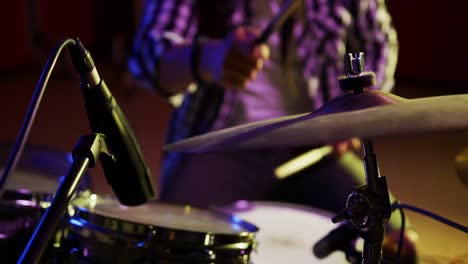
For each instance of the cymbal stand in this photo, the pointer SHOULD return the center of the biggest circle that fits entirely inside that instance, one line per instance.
(85, 154)
(368, 206)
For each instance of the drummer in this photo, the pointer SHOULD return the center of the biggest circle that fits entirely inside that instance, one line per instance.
(238, 82)
(202, 57)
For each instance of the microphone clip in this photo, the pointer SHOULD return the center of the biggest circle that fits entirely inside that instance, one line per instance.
(93, 147)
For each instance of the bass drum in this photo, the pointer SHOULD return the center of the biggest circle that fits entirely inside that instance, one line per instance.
(287, 232)
(101, 230)
(27, 194)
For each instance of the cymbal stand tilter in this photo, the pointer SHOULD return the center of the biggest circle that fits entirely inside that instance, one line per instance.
(368, 206)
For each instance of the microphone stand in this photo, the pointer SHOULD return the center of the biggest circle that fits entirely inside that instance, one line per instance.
(85, 154)
(367, 207)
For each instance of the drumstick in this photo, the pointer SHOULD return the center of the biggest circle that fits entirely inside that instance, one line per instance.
(302, 161)
(287, 9)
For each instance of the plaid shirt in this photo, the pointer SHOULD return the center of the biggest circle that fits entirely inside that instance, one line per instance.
(325, 31)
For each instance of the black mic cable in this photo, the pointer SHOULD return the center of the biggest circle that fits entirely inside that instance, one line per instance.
(126, 170)
(23, 135)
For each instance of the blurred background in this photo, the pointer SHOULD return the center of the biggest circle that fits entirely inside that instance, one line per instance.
(420, 168)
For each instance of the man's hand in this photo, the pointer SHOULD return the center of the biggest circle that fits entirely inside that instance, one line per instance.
(234, 61)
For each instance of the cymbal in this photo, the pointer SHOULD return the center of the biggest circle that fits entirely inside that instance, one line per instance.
(369, 114)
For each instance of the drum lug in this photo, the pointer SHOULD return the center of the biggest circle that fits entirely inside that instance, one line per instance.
(150, 237)
(73, 256)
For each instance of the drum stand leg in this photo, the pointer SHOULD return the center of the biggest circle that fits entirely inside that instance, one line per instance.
(368, 207)
(85, 155)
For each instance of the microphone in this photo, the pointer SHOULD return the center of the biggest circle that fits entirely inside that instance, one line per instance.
(125, 170)
(338, 239)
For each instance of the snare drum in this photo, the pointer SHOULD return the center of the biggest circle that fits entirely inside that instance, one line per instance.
(287, 232)
(101, 230)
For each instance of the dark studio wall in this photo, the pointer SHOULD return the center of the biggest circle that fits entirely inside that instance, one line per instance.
(433, 39)
(432, 34)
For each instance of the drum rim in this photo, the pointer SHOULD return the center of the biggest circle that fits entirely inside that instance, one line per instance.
(85, 222)
(30, 199)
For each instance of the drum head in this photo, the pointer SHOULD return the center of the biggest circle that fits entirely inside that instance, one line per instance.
(287, 232)
(166, 215)
(188, 222)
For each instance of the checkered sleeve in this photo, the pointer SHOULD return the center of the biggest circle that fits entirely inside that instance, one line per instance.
(375, 35)
(163, 23)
